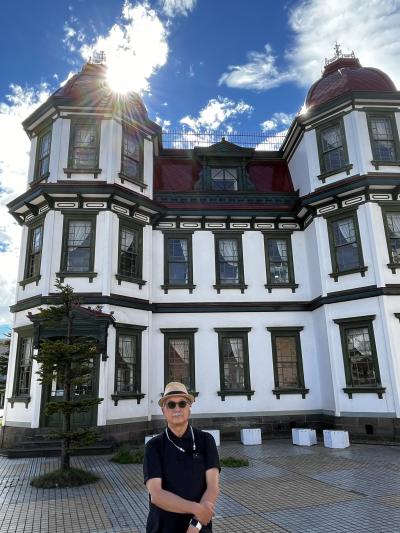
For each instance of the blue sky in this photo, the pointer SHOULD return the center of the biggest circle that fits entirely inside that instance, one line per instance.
(222, 65)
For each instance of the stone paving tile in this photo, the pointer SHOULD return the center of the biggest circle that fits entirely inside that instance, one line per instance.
(267, 449)
(370, 482)
(391, 500)
(285, 488)
(254, 471)
(227, 506)
(355, 517)
(245, 524)
(283, 493)
(388, 455)
(312, 463)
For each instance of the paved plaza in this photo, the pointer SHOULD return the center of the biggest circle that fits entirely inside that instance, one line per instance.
(285, 489)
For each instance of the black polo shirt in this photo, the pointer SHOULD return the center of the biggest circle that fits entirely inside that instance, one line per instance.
(182, 473)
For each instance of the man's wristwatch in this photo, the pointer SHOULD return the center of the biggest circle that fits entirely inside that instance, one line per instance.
(195, 523)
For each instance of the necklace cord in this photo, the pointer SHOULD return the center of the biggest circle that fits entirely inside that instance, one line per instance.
(178, 447)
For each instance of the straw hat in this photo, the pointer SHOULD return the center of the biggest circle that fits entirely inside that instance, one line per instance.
(175, 389)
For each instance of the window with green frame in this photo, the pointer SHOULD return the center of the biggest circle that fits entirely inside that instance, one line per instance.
(84, 145)
(130, 252)
(384, 138)
(359, 355)
(77, 257)
(179, 359)
(178, 261)
(391, 221)
(33, 252)
(132, 155)
(332, 148)
(288, 361)
(279, 261)
(43, 155)
(229, 270)
(345, 244)
(23, 367)
(234, 362)
(224, 178)
(128, 363)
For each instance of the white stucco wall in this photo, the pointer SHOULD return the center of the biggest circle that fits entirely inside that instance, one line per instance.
(299, 169)
(204, 276)
(366, 402)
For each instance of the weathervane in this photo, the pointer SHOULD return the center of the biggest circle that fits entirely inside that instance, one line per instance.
(98, 58)
(338, 51)
(338, 54)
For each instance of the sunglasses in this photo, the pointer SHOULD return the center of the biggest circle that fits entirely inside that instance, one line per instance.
(182, 404)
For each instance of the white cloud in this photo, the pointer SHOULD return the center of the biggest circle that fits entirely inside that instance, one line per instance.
(277, 120)
(135, 48)
(14, 159)
(216, 112)
(272, 142)
(74, 36)
(369, 28)
(259, 73)
(173, 8)
(164, 123)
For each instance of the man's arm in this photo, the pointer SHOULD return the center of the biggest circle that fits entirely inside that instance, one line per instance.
(168, 501)
(210, 495)
(212, 491)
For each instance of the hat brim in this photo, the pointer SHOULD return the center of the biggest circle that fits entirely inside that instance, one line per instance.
(166, 397)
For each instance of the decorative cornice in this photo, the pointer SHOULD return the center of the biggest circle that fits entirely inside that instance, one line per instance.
(215, 307)
(83, 189)
(248, 205)
(226, 197)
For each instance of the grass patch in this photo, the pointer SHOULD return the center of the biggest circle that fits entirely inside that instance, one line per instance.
(73, 477)
(233, 462)
(126, 456)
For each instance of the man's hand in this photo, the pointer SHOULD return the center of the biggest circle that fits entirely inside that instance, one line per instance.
(205, 512)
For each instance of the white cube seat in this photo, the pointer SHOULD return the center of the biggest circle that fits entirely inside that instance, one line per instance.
(336, 439)
(149, 437)
(250, 436)
(216, 434)
(304, 437)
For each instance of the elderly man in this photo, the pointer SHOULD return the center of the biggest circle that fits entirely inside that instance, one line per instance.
(181, 470)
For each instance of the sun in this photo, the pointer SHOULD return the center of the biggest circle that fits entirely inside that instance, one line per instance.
(119, 78)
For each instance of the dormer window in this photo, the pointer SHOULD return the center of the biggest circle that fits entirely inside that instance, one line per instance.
(224, 179)
(131, 156)
(332, 148)
(84, 145)
(224, 168)
(384, 138)
(43, 155)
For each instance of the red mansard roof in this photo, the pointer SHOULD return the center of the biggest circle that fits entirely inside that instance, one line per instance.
(180, 175)
(344, 75)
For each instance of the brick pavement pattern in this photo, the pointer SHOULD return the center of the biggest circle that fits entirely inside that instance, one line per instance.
(285, 488)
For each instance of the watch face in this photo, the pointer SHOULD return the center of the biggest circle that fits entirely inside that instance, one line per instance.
(195, 523)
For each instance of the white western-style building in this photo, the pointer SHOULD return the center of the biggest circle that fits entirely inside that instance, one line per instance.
(267, 281)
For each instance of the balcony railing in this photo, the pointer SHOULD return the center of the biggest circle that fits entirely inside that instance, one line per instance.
(188, 139)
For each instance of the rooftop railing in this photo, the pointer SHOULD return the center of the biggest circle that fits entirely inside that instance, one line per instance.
(188, 139)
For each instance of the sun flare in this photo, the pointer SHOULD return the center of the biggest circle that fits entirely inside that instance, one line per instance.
(120, 78)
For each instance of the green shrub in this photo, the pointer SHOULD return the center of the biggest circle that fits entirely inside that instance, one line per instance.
(125, 456)
(71, 477)
(233, 462)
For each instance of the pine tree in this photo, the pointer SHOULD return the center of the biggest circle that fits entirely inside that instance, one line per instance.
(69, 360)
(4, 355)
